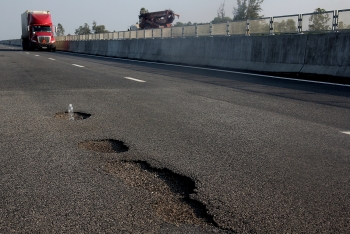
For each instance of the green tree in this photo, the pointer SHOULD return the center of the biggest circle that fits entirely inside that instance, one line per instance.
(60, 30)
(83, 30)
(218, 20)
(179, 24)
(98, 28)
(221, 10)
(143, 11)
(247, 9)
(341, 25)
(285, 26)
(240, 13)
(259, 26)
(319, 21)
(221, 18)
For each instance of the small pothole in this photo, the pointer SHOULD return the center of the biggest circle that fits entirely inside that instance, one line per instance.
(171, 192)
(104, 146)
(77, 115)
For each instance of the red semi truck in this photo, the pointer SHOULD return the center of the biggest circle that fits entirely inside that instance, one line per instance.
(38, 31)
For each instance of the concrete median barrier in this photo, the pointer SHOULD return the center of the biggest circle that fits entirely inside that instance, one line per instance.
(324, 54)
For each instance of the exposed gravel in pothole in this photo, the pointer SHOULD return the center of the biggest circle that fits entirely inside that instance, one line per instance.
(77, 115)
(104, 146)
(171, 192)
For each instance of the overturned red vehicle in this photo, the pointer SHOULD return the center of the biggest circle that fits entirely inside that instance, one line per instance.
(158, 19)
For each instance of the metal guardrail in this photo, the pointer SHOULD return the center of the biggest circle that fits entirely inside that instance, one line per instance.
(329, 21)
(317, 22)
(343, 20)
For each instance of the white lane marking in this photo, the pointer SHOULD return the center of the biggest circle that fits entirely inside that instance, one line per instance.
(129, 78)
(27, 53)
(226, 71)
(348, 133)
(52, 59)
(77, 65)
(37, 55)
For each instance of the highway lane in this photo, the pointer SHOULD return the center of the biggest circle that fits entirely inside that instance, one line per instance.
(267, 155)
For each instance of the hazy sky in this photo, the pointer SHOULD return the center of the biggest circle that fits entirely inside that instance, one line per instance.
(119, 15)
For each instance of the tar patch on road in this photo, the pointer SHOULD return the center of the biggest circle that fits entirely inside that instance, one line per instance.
(104, 146)
(171, 192)
(77, 115)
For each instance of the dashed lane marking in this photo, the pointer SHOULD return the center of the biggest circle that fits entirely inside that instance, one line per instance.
(77, 65)
(129, 78)
(52, 59)
(37, 55)
(348, 133)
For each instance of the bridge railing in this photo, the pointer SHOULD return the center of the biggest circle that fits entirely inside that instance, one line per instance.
(286, 24)
(318, 22)
(343, 20)
(322, 22)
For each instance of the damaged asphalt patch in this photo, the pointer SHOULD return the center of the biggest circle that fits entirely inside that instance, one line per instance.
(104, 146)
(171, 192)
(77, 115)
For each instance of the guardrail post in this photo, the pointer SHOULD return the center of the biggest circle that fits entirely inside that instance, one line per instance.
(211, 29)
(183, 31)
(248, 28)
(161, 33)
(195, 30)
(300, 24)
(335, 21)
(228, 28)
(272, 31)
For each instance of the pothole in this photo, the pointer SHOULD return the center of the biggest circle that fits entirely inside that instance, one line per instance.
(77, 115)
(104, 146)
(171, 192)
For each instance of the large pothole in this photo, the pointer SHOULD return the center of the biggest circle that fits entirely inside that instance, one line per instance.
(76, 115)
(171, 192)
(104, 146)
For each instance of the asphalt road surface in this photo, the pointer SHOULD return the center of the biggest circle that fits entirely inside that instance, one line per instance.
(191, 150)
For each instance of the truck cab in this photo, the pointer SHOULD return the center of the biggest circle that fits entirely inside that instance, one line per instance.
(38, 31)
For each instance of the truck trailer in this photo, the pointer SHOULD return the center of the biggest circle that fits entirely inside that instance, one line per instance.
(38, 31)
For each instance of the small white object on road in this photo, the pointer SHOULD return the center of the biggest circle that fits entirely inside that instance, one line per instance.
(70, 112)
